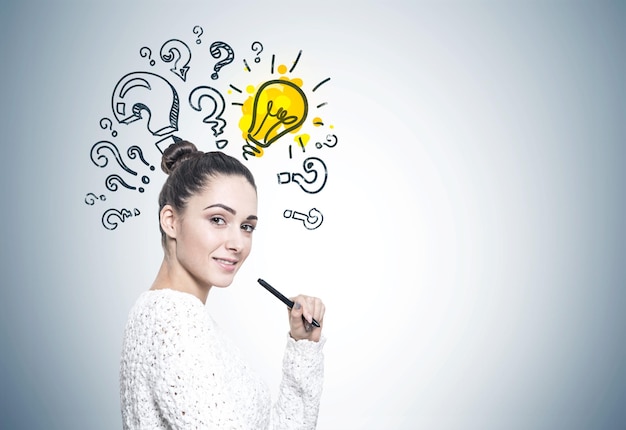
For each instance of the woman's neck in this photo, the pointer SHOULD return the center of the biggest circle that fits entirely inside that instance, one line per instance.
(172, 276)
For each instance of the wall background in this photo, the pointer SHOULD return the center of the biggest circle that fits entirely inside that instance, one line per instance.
(472, 252)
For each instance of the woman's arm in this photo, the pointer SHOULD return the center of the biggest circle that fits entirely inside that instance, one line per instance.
(298, 402)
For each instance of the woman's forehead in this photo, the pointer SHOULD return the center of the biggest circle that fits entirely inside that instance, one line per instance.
(234, 191)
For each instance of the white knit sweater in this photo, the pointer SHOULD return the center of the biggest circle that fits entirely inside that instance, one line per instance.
(179, 371)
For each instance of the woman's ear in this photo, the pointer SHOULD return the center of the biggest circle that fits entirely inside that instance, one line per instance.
(167, 218)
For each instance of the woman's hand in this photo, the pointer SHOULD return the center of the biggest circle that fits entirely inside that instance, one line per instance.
(304, 310)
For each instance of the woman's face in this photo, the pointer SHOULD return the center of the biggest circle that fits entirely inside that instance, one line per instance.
(214, 232)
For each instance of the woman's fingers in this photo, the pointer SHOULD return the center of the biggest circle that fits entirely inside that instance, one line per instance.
(310, 308)
(305, 311)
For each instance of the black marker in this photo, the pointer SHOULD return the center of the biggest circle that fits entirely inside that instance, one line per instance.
(283, 299)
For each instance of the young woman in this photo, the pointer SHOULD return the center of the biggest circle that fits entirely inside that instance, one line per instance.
(178, 370)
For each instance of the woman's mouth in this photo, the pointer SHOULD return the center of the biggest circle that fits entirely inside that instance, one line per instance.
(226, 263)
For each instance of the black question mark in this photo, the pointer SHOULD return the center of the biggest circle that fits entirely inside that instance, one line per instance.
(198, 30)
(216, 51)
(257, 46)
(147, 52)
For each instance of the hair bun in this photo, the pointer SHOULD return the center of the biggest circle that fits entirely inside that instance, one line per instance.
(176, 153)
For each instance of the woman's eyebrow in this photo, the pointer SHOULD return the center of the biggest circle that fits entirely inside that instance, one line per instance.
(223, 206)
(229, 209)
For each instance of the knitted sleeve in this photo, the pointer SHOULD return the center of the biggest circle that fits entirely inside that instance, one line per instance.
(298, 402)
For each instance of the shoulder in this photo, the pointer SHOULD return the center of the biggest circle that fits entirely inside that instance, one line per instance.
(163, 305)
(168, 331)
(167, 315)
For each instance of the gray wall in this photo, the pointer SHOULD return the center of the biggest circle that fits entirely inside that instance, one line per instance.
(472, 250)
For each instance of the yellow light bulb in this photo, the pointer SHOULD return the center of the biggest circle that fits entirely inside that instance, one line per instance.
(279, 107)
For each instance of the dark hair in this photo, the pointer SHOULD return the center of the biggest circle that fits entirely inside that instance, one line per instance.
(189, 172)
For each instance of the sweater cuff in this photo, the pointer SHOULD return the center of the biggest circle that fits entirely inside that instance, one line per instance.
(304, 345)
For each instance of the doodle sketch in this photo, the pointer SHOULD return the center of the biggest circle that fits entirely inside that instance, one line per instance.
(274, 112)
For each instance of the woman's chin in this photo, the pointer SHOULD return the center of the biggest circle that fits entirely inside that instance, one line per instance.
(223, 282)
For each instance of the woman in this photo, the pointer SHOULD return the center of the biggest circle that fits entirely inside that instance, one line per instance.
(178, 370)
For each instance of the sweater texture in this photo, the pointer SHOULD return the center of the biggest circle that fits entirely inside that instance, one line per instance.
(178, 370)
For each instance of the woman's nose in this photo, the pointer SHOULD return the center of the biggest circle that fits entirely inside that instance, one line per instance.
(234, 241)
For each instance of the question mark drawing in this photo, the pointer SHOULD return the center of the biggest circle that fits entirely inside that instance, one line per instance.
(91, 198)
(217, 107)
(114, 179)
(106, 123)
(99, 158)
(165, 143)
(198, 30)
(330, 138)
(147, 52)
(137, 92)
(311, 221)
(122, 215)
(177, 51)
(134, 152)
(216, 51)
(313, 166)
(257, 46)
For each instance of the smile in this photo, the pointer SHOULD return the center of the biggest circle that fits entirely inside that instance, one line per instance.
(226, 262)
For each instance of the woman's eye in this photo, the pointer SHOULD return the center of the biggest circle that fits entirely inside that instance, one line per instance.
(218, 220)
(247, 228)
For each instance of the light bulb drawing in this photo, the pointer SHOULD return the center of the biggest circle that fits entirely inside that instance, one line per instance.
(275, 108)
(279, 107)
